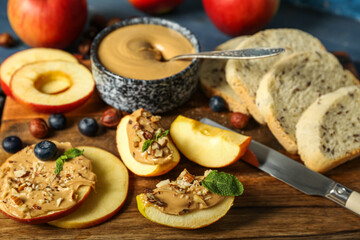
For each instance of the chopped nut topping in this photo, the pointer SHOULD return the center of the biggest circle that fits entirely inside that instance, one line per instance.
(16, 200)
(183, 195)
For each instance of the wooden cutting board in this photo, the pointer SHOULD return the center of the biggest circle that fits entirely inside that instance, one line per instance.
(268, 208)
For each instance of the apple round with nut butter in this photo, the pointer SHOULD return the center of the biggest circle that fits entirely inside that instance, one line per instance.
(52, 86)
(31, 191)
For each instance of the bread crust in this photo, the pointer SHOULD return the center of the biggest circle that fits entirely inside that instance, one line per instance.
(213, 82)
(308, 133)
(245, 76)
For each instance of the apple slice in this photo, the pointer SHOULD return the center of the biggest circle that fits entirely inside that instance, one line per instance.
(52, 86)
(19, 59)
(111, 191)
(45, 199)
(206, 145)
(141, 169)
(197, 219)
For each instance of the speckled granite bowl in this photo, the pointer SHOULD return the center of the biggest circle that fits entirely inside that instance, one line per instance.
(156, 96)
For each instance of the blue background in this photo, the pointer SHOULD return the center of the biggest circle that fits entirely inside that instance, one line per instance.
(337, 33)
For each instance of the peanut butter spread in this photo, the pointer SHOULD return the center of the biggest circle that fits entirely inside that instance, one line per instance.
(29, 187)
(184, 195)
(138, 51)
(144, 128)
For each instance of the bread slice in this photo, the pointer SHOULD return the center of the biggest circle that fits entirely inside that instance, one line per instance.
(292, 85)
(244, 75)
(213, 82)
(328, 132)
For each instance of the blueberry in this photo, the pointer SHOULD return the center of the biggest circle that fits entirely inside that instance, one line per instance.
(12, 144)
(217, 103)
(57, 121)
(45, 150)
(88, 126)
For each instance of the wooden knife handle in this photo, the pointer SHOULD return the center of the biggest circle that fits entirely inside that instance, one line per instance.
(353, 202)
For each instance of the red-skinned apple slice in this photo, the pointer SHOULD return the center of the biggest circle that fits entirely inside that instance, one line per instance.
(42, 201)
(197, 219)
(134, 166)
(206, 145)
(19, 59)
(111, 191)
(83, 192)
(70, 85)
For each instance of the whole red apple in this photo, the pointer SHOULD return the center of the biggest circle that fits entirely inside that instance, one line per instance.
(155, 6)
(240, 17)
(47, 23)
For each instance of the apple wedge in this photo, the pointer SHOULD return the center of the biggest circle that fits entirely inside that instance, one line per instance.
(19, 59)
(192, 220)
(138, 168)
(111, 191)
(70, 85)
(206, 145)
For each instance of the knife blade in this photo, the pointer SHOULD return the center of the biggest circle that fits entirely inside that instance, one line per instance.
(297, 175)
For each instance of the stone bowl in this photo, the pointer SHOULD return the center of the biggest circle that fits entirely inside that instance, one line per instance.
(156, 96)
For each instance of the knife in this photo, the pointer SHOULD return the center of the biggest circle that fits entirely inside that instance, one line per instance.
(297, 175)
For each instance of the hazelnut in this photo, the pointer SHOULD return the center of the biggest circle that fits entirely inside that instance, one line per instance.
(38, 128)
(239, 120)
(6, 40)
(111, 118)
(84, 46)
(113, 21)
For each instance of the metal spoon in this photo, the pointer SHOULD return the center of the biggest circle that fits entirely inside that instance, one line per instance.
(249, 53)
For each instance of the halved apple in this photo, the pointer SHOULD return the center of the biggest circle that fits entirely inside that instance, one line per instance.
(52, 86)
(206, 145)
(141, 169)
(19, 59)
(197, 219)
(111, 191)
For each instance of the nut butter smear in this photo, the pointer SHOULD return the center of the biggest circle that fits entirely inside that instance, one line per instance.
(142, 127)
(29, 187)
(138, 51)
(184, 195)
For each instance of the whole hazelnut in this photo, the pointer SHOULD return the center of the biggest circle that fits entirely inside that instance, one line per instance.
(111, 118)
(84, 46)
(6, 40)
(113, 21)
(239, 120)
(38, 128)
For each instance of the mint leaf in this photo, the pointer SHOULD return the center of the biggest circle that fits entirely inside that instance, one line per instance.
(147, 144)
(73, 152)
(161, 134)
(69, 154)
(223, 184)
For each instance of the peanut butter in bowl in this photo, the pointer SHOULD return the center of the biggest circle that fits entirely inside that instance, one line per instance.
(140, 51)
(130, 67)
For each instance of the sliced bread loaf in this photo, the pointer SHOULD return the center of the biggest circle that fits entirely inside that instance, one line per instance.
(213, 82)
(244, 76)
(328, 132)
(292, 85)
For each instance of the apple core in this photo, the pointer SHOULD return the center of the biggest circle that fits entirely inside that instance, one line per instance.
(53, 82)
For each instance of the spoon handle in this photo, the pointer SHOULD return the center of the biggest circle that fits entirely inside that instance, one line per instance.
(249, 53)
